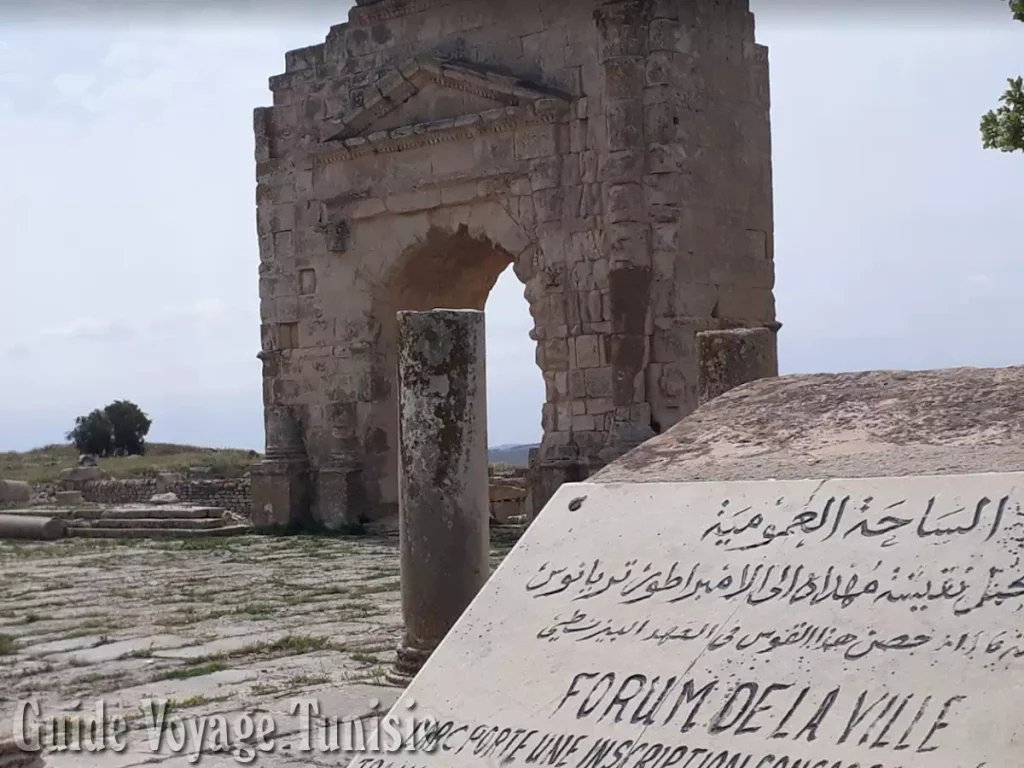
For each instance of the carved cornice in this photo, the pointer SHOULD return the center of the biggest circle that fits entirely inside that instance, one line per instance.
(437, 131)
(401, 84)
(521, 103)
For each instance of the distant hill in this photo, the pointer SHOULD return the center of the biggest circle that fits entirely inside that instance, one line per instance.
(43, 465)
(516, 455)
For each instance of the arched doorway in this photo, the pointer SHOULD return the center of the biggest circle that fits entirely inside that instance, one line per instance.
(448, 269)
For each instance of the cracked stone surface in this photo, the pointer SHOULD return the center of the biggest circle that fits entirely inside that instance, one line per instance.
(228, 627)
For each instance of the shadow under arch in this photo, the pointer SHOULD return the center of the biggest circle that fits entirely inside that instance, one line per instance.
(449, 270)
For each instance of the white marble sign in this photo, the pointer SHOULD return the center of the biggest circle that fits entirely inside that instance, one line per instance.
(870, 623)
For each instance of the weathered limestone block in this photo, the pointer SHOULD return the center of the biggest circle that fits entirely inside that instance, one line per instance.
(166, 480)
(508, 500)
(15, 491)
(443, 496)
(69, 498)
(73, 477)
(733, 357)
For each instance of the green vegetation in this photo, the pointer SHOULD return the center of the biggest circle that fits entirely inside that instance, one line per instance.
(291, 645)
(193, 701)
(44, 465)
(1003, 127)
(302, 680)
(8, 644)
(254, 609)
(119, 429)
(139, 653)
(198, 670)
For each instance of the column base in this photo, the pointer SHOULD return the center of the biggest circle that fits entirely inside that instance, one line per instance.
(408, 664)
(280, 494)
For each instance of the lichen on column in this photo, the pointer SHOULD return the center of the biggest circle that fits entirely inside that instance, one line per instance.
(443, 498)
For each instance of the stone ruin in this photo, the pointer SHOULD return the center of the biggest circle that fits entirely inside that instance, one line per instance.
(63, 510)
(615, 154)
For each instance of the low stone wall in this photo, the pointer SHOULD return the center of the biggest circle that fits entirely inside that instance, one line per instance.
(232, 494)
(507, 492)
(118, 491)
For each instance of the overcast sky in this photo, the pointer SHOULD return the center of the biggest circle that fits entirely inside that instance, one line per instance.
(128, 250)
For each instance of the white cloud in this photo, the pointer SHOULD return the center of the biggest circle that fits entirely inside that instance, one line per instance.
(82, 328)
(73, 84)
(982, 282)
(186, 323)
(123, 54)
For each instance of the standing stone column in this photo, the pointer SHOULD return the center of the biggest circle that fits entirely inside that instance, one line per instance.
(443, 501)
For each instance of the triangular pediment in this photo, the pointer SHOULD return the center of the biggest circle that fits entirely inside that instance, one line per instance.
(426, 91)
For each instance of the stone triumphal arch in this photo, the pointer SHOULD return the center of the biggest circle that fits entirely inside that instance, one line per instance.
(616, 154)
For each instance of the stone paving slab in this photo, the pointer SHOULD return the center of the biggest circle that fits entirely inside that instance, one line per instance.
(63, 646)
(125, 648)
(221, 645)
(212, 627)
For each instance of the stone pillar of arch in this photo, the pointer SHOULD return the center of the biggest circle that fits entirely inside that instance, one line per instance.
(280, 482)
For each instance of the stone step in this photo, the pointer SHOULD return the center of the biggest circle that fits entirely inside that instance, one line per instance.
(157, 533)
(68, 514)
(156, 512)
(171, 523)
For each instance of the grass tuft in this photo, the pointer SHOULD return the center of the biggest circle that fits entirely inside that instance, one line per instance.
(198, 670)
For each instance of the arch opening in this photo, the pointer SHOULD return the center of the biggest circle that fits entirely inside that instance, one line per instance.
(447, 270)
(456, 270)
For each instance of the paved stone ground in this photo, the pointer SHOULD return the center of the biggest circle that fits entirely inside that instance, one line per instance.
(213, 626)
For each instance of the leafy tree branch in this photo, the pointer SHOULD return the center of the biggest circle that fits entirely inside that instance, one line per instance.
(1003, 127)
